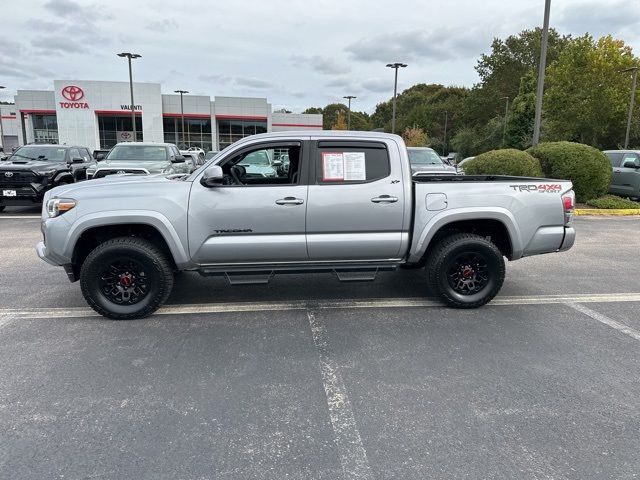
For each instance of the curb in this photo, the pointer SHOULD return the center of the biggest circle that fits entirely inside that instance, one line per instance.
(604, 211)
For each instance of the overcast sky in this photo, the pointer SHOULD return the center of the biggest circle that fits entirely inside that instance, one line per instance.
(295, 53)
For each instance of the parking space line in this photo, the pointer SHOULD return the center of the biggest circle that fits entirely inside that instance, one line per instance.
(15, 217)
(233, 307)
(6, 319)
(353, 456)
(621, 327)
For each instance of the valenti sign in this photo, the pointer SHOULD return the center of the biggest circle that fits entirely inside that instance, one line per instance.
(73, 95)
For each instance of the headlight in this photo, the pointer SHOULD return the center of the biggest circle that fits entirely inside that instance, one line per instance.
(47, 173)
(57, 206)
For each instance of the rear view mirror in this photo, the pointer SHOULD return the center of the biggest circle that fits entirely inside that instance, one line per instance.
(178, 159)
(99, 157)
(212, 176)
(77, 160)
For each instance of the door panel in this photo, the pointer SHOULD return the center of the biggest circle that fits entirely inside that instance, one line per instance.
(358, 220)
(626, 181)
(239, 224)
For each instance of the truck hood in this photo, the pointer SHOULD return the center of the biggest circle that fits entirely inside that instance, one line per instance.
(24, 165)
(151, 166)
(108, 184)
(432, 168)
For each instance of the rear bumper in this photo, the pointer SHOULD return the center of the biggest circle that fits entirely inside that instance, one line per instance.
(569, 239)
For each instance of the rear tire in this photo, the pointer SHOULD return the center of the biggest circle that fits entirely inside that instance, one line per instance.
(465, 270)
(126, 278)
(2, 207)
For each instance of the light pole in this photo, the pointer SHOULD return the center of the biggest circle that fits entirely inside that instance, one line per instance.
(444, 142)
(395, 66)
(634, 79)
(181, 92)
(133, 105)
(506, 113)
(541, 68)
(1, 130)
(349, 97)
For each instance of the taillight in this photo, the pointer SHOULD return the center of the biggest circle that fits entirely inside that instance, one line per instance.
(568, 203)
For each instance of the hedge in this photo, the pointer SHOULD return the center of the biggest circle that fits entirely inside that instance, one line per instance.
(587, 167)
(504, 162)
(612, 201)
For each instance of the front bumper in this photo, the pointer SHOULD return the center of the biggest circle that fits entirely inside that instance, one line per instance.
(24, 196)
(41, 250)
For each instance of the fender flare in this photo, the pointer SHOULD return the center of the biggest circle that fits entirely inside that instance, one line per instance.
(421, 241)
(140, 217)
(63, 176)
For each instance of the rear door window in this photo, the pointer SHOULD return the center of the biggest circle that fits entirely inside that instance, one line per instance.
(615, 158)
(340, 162)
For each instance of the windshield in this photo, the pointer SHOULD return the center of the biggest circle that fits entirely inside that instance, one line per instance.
(210, 155)
(424, 157)
(138, 153)
(51, 154)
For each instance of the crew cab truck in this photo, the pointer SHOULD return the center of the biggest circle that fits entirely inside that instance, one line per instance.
(345, 203)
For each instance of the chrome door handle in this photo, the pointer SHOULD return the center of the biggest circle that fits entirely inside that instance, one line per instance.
(290, 201)
(384, 199)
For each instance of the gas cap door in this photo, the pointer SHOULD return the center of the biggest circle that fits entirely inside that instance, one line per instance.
(436, 201)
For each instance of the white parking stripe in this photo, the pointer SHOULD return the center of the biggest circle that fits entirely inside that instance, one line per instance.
(353, 456)
(205, 308)
(627, 330)
(14, 217)
(6, 319)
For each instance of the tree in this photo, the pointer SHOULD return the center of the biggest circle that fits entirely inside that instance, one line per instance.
(586, 98)
(340, 123)
(314, 110)
(414, 137)
(519, 131)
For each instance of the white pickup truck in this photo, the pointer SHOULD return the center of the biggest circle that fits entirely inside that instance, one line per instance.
(345, 202)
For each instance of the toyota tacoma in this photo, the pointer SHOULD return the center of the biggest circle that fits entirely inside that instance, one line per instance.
(345, 203)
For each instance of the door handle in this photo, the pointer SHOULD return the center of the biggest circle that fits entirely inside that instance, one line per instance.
(290, 201)
(384, 199)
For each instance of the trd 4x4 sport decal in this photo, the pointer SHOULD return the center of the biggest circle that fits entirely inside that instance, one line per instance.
(542, 188)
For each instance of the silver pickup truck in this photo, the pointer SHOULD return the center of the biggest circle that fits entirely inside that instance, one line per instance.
(342, 202)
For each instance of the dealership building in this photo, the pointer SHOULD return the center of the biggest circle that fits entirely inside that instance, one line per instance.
(98, 115)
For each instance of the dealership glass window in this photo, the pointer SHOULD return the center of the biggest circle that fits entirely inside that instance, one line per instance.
(45, 128)
(109, 126)
(230, 131)
(197, 132)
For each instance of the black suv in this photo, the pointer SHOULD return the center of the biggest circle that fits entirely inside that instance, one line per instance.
(33, 169)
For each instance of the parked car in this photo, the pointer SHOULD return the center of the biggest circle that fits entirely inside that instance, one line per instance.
(460, 164)
(626, 172)
(32, 170)
(97, 153)
(210, 154)
(140, 158)
(347, 204)
(426, 160)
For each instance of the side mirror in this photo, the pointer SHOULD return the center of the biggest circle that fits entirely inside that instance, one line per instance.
(277, 163)
(212, 176)
(99, 157)
(631, 164)
(177, 159)
(77, 160)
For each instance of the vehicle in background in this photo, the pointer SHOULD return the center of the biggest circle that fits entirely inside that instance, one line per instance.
(347, 205)
(197, 150)
(34, 169)
(192, 159)
(626, 172)
(426, 160)
(450, 159)
(460, 164)
(260, 163)
(140, 158)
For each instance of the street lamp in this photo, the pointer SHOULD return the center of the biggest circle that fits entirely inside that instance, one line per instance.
(181, 92)
(541, 68)
(395, 66)
(634, 79)
(506, 112)
(1, 129)
(444, 141)
(349, 97)
(129, 56)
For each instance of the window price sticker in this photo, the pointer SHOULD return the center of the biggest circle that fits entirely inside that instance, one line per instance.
(345, 166)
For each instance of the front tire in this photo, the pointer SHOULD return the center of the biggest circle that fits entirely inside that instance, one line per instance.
(465, 270)
(126, 278)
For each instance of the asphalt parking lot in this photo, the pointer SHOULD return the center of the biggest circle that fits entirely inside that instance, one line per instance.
(310, 378)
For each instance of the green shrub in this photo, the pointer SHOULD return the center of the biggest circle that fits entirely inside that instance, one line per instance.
(504, 162)
(612, 201)
(587, 167)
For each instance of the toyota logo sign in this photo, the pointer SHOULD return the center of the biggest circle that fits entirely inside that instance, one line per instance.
(72, 93)
(8, 174)
(125, 135)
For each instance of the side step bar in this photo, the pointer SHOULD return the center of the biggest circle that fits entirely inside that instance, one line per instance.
(354, 273)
